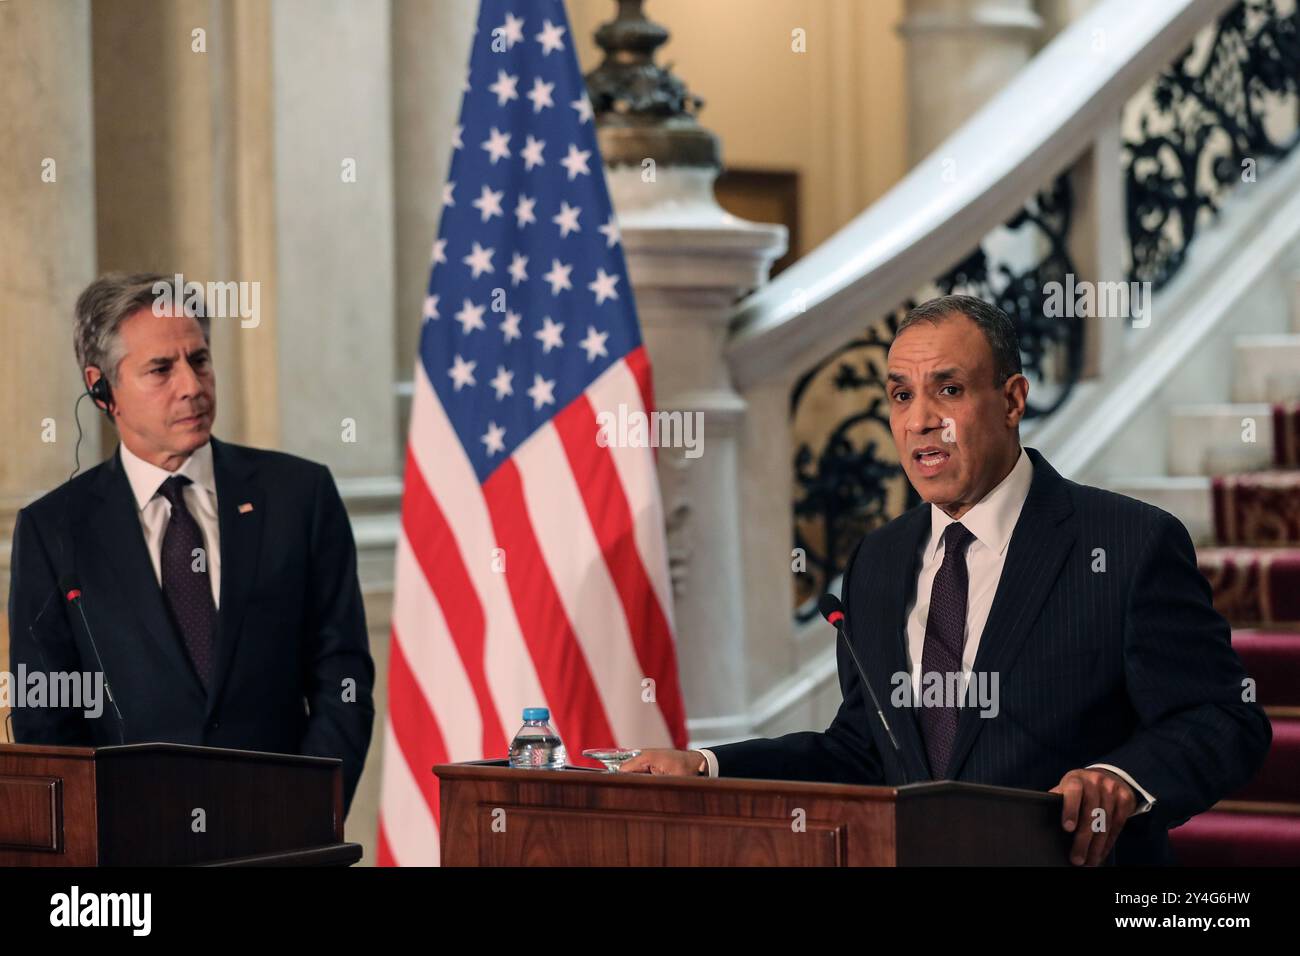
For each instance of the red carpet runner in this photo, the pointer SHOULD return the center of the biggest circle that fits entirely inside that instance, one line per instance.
(1255, 575)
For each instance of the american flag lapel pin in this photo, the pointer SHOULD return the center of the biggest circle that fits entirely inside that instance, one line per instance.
(246, 507)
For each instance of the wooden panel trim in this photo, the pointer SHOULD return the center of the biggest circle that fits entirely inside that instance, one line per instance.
(31, 813)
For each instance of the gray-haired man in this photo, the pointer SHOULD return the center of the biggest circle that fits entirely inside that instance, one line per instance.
(219, 582)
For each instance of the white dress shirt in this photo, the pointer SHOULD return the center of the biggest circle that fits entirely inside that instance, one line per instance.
(991, 520)
(155, 511)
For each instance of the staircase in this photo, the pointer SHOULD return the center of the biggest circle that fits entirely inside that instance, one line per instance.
(1234, 480)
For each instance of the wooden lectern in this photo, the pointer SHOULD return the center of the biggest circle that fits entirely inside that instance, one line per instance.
(493, 815)
(136, 805)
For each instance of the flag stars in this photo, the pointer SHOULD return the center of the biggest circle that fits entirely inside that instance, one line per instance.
(549, 335)
(470, 317)
(540, 94)
(498, 145)
(462, 373)
(503, 383)
(480, 260)
(549, 38)
(594, 344)
(603, 286)
(505, 88)
(494, 439)
(489, 202)
(576, 162)
(510, 326)
(524, 211)
(518, 269)
(610, 232)
(532, 153)
(558, 277)
(567, 219)
(542, 392)
(561, 169)
(512, 31)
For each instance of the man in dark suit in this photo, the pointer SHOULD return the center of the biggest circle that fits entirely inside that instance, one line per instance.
(1019, 629)
(219, 582)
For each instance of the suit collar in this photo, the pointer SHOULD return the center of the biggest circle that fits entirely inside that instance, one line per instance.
(145, 477)
(241, 509)
(233, 458)
(993, 518)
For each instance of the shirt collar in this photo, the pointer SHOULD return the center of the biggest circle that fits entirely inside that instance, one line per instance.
(145, 478)
(992, 519)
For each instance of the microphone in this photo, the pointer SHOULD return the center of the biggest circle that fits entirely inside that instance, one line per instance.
(72, 594)
(833, 611)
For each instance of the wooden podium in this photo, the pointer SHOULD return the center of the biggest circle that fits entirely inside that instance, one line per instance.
(135, 805)
(493, 815)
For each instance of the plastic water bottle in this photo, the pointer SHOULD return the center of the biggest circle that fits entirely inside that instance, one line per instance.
(537, 746)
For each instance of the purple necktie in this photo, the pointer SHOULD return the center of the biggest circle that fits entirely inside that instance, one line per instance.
(188, 591)
(945, 635)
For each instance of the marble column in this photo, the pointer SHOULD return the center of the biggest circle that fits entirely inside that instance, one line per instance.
(183, 133)
(334, 202)
(688, 262)
(47, 251)
(959, 53)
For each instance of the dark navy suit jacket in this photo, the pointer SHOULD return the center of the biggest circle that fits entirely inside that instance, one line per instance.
(1129, 666)
(290, 629)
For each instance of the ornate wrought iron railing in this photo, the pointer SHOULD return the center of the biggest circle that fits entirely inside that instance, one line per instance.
(1202, 124)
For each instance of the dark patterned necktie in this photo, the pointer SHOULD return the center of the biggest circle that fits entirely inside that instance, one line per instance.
(188, 591)
(945, 636)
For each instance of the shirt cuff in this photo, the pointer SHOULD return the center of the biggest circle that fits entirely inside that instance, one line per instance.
(712, 762)
(1137, 787)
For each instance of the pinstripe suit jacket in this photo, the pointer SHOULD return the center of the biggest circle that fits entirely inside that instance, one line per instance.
(1130, 666)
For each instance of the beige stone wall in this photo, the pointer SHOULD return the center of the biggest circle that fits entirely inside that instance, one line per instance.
(182, 157)
(47, 249)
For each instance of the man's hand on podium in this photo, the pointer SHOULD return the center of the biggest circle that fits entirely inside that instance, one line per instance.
(673, 763)
(1086, 792)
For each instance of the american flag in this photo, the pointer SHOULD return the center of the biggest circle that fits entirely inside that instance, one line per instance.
(531, 568)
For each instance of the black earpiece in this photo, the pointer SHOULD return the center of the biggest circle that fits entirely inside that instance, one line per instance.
(101, 391)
